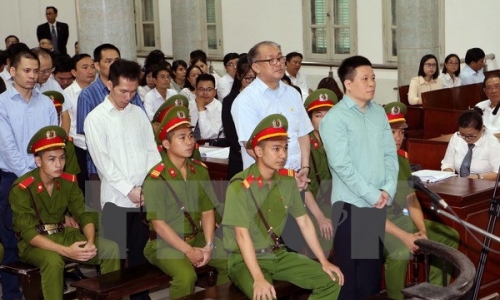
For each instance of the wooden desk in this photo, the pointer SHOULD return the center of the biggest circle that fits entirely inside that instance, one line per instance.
(426, 153)
(470, 199)
(217, 169)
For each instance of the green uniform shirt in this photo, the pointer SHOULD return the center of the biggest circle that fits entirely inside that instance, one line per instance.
(196, 194)
(275, 202)
(66, 196)
(403, 188)
(71, 165)
(319, 154)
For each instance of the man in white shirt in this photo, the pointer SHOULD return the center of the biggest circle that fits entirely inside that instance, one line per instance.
(293, 65)
(83, 70)
(158, 95)
(473, 71)
(47, 83)
(206, 114)
(491, 107)
(226, 82)
(122, 146)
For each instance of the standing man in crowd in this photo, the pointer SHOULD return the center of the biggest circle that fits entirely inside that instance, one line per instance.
(226, 82)
(364, 167)
(266, 95)
(473, 70)
(57, 32)
(121, 143)
(11, 39)
(62, 71)
(23, 111)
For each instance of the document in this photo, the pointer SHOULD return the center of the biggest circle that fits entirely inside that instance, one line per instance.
(214, 152)
(433, 175)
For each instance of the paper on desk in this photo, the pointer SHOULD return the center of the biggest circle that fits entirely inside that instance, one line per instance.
(214, 152)
(433, 175)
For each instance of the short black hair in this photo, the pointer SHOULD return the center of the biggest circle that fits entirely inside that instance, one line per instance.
(175, 65)
(75, 59)
(291, 55)
(124, 68)
(422, 63)
(62, 63)
(51, 7)
(205, 77)
(14, 49)
(471, 118)
(98, 51)
(188, 84)
(26, 54)
(11, 36)
(154, 57)
(230, 56)
(474, 55)
(159, 67)
(347, 69)
(3, 57)
(197, 53)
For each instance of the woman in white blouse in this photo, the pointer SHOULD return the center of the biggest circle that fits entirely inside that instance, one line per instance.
(427, 79)
(485, 147)
(451, 71)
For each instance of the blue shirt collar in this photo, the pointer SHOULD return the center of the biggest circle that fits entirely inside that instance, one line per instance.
(350, 103)
(262, 87)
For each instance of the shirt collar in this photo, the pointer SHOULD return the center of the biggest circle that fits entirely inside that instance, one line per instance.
(255, 177)
(12, 92)
(350, 103)
(421, 80)
(101, 85)
(262, 87)
(108, 105)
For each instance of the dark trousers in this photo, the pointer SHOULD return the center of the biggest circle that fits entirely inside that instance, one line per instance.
(81, 158)
(358, 248)
(123, 226)
(10, 283)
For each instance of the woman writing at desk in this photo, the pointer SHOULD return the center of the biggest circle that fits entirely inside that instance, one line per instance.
(473, 151)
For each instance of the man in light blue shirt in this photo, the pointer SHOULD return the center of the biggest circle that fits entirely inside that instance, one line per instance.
(473, 71)
(23, 111)
(267, 95)
(362, 159)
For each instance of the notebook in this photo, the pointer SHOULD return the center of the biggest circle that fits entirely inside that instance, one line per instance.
(433, 175)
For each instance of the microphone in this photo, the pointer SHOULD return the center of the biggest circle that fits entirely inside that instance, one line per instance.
(416, 183)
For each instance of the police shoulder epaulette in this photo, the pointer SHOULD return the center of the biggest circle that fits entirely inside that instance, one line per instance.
(26, 182)
(196, 146)
(156, 171)
(199, 163)
(402, 153)
(68, 177)
(287, 172)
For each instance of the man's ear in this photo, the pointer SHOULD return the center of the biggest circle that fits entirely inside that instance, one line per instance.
(347, 84)
(256, 68)
(109, 85)
(258, 151)
(165, 143)
(38, 161)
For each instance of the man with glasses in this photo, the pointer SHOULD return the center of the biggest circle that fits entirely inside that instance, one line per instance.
(47, 83)
(491, 116)
(226, 82)
(57, 32)
(23, 111)
(206, 114)
(266, 95)
(473, 71)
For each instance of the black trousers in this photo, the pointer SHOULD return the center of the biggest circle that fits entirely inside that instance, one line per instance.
(358, 248)
(123, 226)
(81, 158)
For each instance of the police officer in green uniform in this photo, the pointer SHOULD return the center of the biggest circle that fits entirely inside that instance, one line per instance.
(175, 100)
(258, 201)
(39, 201)
(405, 222)
(71, 166)
(179, 200)
(318, 193)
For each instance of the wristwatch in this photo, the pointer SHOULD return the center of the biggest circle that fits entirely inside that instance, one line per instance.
(480, 176)
(210, 244)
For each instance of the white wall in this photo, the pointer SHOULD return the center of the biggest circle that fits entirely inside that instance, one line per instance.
(468, 24)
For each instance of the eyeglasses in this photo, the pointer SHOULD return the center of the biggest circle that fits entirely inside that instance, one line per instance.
(249, 79)
(231, 65)
(430, 65)
(273, 61)
(468, 136)
(203, 90)
(453, 63)
(492, 87)
(47, 71)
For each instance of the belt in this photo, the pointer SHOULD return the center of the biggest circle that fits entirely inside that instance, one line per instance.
(153, 236)
(270, 249)
(50, 229)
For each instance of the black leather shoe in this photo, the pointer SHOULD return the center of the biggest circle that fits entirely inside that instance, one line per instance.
(74, 275)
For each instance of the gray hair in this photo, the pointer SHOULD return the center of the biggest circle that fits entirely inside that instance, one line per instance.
(254, 52)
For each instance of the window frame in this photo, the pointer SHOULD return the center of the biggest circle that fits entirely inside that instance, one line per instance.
(139, 34)
(219, 52)
(330, 27)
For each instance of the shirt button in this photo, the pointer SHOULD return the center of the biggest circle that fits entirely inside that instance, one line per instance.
(269, 210)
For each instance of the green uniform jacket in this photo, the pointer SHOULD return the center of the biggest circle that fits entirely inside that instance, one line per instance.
(71, 166)
(323, 194)
(403, 189)
(196, 194)
(275, 202)
(66, 196)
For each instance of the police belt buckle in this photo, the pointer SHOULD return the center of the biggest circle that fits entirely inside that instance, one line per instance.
(49, 229)
(270, 249)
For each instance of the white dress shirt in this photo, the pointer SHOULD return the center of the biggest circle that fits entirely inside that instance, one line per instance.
(448, 82)
(7, 78)
(485, 154)
(469, 76)
(188, 94)
(301, 82)
(153, 100)
(122, 147)
(142, 91)
(224, 86)
(491, 121)
(71, 96)
(209, 120)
